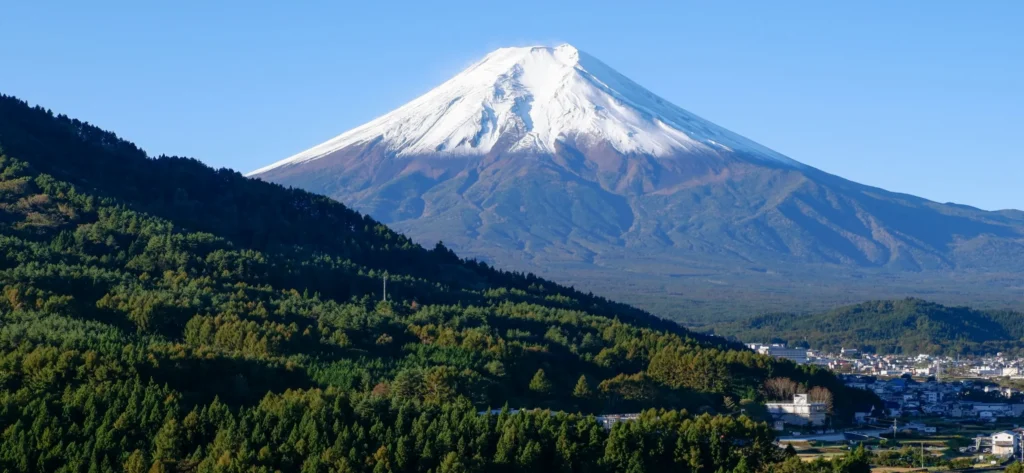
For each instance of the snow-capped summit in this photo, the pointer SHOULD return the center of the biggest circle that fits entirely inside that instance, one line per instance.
(546, 160)
(527, 99)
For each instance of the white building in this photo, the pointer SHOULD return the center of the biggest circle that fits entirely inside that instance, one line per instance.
(1005, 443)
(779, 350)
(608, 420)
(989, 409)
(799, 412)
(987, 371)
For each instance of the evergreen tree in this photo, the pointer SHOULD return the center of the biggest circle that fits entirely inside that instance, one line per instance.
(741, 466)
(136, 462)
(451, 464)
(168, 440)
(582, 389)
(539, 383)
(173, 317)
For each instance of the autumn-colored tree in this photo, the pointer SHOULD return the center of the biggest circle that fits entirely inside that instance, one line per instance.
(822, 395)
(780, 389)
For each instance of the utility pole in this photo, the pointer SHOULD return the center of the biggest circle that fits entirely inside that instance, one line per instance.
(894, 430)
(385, 286)
(1018, 447)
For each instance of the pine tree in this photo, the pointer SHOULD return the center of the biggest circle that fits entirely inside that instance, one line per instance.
(451, 464)
(136, 462)
(582, 389)
(741, 466)
(382, 461)
(529, 457)
(539, 383)
(506, 449)
(168, 440)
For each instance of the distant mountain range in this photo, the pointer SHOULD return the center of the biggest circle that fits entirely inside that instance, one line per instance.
(899, 326)
(547, 160)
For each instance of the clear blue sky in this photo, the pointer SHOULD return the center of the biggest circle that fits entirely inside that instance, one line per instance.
(923, 97)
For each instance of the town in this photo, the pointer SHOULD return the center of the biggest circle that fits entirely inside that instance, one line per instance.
(853, 361)
(972, 403)
(923, 385)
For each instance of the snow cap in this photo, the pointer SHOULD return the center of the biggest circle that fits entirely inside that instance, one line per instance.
(526, 99)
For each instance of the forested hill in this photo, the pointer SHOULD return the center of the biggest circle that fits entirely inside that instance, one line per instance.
(893, 326)
(160, 315)
(265, 217)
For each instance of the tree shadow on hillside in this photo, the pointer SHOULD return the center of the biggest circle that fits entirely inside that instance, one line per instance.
(235, 381)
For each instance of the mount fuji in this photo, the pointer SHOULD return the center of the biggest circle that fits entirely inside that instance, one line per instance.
(547, 160)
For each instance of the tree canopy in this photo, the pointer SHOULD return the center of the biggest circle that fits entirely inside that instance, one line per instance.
(160, 315)
(892, 326)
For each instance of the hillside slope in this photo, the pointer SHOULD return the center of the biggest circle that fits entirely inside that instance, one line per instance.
(160, 315)
(547, 160)
(897, 326)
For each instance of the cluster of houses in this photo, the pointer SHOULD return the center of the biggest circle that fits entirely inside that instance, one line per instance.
(945, 393)
(851, 360)
(906, 397)
(998, 366)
